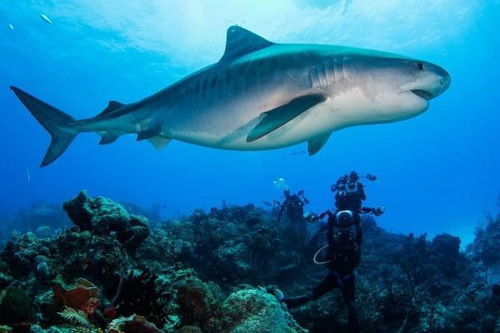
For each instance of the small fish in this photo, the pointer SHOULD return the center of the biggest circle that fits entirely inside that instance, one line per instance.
(11, 27)
(43, 228)
(45, 18)
(28, 175)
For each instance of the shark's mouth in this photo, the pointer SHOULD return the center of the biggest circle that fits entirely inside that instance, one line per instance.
(422, 93)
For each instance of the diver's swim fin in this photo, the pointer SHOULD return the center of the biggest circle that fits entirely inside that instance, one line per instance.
(279, 116)
(56, 122)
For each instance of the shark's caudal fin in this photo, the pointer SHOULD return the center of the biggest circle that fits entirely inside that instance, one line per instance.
(56, 122)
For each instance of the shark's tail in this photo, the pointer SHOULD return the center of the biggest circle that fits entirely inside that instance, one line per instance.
(56, 122)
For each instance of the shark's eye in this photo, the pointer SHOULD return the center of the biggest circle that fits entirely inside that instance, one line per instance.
(420, 66)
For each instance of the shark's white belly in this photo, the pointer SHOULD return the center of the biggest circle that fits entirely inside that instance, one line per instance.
(343, 110)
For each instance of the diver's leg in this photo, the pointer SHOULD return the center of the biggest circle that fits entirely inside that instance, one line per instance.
(348, 291)
(353, 317)
(326, 285)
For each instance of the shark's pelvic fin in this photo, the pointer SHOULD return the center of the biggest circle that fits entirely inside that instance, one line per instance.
(159, 141)
(56, 122)
(112, 106)
(241, 41)
(153, 135)
(108, 138)
(278, 117)
(315, 144)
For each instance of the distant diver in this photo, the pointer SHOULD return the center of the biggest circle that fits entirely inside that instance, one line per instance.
(292, 224)
(343, 256)
(293, 207)
(261, 95)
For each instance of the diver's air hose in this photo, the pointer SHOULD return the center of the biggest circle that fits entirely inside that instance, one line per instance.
(316, 255)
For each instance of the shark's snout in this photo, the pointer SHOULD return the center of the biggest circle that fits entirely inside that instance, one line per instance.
(433, 81)
(444, 80)
(439, 80)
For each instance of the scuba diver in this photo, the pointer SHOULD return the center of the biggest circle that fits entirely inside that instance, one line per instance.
(293, 206)
(344, 238)
(350, 194)
(343, 256)
(294, 230)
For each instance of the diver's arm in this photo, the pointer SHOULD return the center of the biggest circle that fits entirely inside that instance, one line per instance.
(362, 191)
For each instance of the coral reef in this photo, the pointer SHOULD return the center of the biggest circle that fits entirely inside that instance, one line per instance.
(219, 271)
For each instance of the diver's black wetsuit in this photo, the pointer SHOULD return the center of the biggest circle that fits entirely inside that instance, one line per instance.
(344, 254)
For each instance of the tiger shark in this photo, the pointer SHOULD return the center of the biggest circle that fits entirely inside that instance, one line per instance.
(261, 95)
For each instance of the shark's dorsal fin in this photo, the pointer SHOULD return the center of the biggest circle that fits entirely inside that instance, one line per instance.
(241, 41)
(112, 106)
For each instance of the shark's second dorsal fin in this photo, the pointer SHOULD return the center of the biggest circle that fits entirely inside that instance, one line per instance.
(112, 106)
(241, 41)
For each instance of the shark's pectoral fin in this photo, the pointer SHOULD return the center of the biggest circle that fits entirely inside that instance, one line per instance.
(315, 144)
(281, 115)
(159, 141)
(107, 138)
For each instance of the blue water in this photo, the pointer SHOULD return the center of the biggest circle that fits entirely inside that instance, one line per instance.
(437, 172)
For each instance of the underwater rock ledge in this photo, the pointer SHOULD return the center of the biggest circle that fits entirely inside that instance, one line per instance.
(218, 271)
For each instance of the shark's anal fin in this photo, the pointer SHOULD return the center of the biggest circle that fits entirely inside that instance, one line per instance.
(241, 41)
(315, 144)
(112, 106)
(281, 115)
(108, 138)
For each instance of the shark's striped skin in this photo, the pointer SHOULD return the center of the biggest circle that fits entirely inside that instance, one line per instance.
(263, 95)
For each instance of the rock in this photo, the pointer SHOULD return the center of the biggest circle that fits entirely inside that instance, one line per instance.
(255, 311)
(198, 302)
(15, 306)
(446, 245)
(102, 216)
(132, 324)
(189, 329)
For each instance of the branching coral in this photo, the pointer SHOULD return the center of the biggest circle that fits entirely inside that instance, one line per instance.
(75, 316)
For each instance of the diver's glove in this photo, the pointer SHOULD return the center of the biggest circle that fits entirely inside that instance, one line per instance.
(378, 211)
(310, 217)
